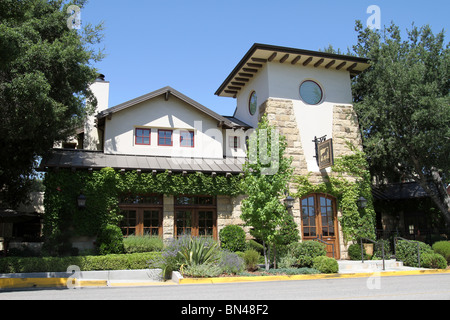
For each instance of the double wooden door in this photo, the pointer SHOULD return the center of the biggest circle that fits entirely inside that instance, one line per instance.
(319, 221)
(196, 222)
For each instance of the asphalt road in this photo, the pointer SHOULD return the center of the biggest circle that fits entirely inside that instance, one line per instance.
(417, 287)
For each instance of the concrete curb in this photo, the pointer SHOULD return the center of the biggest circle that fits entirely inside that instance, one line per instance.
(15, 282)
(308, 277)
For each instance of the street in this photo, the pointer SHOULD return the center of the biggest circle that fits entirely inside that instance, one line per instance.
(417, 287)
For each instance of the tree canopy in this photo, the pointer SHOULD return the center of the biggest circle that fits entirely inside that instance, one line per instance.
(45, 73)
(403, 105)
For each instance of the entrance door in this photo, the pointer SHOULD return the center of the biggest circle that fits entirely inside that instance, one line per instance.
(319, 221)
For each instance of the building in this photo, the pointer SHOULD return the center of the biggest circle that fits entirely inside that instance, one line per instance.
(306, 95)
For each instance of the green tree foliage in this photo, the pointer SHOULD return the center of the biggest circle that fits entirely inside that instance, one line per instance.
(403, 105)
(264, 209)
(45, 72)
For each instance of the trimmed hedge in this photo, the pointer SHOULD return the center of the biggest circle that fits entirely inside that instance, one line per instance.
(443, 248)
(407, 252)
(232, 238)
(325, 264)
(86, 263)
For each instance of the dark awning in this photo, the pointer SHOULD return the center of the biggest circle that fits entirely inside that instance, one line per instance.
(82, 159)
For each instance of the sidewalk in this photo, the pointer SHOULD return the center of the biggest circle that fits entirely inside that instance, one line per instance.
(148, 277)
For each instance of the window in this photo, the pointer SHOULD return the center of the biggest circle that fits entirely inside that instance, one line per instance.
(187, 139)
(141, 214)
(165, 138)
(252, 104)
(142, 136)
(311, 92)
(234, 143)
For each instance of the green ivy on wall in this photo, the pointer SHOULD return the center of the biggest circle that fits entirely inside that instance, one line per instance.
(349, 180)
(63, 218)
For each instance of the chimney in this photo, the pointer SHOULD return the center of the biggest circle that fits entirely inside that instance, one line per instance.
(93, 136)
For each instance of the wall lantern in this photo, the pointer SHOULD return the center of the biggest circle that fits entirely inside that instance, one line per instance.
(289, 202)
(81, 201)
(362, 202)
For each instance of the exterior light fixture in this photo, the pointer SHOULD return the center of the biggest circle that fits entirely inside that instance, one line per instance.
(362, 202)
(81, 201)
(289, 202)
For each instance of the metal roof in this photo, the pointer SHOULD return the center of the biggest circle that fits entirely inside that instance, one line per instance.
(82, 159)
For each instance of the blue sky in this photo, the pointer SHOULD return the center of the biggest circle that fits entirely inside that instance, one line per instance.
(193, 45)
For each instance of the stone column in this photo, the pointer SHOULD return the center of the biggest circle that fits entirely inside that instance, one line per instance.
(168, 217)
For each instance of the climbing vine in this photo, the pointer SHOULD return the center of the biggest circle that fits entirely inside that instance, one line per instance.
(349, 180)
(63, 218)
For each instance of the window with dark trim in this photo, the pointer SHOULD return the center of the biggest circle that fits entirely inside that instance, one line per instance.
(187, 139)
(234, 143)
(142, 214)
(165, 137)
(195, 216)
(142, 136)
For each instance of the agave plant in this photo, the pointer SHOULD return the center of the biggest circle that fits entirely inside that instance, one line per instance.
(198, 251)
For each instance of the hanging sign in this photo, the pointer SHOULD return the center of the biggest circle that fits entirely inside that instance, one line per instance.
(325, 157)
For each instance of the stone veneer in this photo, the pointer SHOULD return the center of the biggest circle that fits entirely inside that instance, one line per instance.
(280, 113)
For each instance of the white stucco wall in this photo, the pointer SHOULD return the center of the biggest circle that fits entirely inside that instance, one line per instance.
(92, 137)
(276, 80)
(157, 113)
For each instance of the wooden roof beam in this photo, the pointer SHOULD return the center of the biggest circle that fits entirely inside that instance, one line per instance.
(352, 67)
(284, 58)
(329, 64)
(339, 67)
(254, 65)
(272, 56)
(318, 63)
(296, 59)
(307, 61)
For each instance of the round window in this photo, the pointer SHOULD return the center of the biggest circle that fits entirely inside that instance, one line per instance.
(310, 92)
(252, 103)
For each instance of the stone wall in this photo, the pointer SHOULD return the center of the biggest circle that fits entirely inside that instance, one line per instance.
(280, 113)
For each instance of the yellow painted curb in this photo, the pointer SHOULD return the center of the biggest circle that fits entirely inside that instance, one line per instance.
(13, 283)
(10, 283)
(308, 276)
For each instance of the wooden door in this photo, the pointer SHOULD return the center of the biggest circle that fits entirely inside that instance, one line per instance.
(196, 222)
(319, 221)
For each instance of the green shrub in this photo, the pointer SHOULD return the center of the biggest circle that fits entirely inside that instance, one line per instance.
(231, 263)
(135, 244)
(325, 264)
(443, 248)
(407, 252)
(306, 251)
(110, 240)
(433, 260)
(206, 270)
(251, 258)
(86, 263)
(292, 271)
(252, 244)
(232, 238)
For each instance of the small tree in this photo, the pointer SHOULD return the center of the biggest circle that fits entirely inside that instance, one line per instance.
(267, 173)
